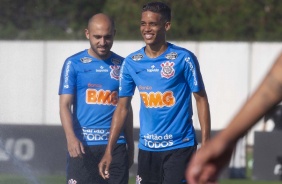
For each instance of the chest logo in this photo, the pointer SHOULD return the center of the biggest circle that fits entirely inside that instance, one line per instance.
(137, 57)
(153, 69)
(115, 69)
(171, 56)
(116, 61)
(85, 60)
(167, 69)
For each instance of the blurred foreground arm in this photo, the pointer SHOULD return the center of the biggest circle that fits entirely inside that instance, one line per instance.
(207, 163)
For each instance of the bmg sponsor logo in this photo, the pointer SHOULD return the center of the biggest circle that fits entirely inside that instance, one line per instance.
(158, 99)
(103, 97)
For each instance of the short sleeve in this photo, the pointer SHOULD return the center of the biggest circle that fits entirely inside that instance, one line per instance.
(126, 82)
(192, 73)
(68, 79)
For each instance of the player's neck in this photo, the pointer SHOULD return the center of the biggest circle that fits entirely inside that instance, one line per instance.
(154, 51)
(100, 57)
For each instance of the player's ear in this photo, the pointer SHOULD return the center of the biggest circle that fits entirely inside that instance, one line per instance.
(167, 26)
(86, 33)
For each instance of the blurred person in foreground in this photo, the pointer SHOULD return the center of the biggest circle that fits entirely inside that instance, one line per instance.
(88, 97)
(207, 163)
(166, 76)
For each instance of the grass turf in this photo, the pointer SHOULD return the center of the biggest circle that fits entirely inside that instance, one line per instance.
(55, 179)
(60, 179)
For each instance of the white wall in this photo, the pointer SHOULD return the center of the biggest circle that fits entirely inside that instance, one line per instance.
(21, 80)
(30, 72)
(225, 69)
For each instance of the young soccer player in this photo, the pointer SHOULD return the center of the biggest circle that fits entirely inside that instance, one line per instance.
(166, 76)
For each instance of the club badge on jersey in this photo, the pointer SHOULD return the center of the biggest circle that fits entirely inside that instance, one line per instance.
(167, 69)
(115, 69)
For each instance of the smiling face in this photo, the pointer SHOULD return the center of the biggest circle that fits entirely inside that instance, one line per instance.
(100, 33)
(153, 28)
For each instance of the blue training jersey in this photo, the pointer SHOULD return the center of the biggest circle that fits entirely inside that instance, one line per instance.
(165, 84)
(94, 84)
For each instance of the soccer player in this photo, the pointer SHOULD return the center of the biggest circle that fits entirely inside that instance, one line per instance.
(166, 76)
(88, 97)
(207, 163)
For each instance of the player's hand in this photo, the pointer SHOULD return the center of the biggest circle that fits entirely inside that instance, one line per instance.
(104, 165)
(75, 147)
(207, 163)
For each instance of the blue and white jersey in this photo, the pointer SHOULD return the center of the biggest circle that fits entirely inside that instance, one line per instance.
(94, 84)
(165, 85)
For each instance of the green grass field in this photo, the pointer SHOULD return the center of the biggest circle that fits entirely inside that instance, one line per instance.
(60, 179)
(12, 179)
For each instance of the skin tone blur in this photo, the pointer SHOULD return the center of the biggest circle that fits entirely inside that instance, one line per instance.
(207, 163)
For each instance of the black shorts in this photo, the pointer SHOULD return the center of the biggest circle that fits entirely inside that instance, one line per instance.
(166, 167)
(85, 170)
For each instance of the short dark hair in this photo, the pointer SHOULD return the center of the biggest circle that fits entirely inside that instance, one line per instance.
(158, 7)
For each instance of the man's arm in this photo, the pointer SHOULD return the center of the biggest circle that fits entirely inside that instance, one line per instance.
(203, 114)
(267, 95)
(75, 147)
(206, 165)
(118, 121)
(128, 133)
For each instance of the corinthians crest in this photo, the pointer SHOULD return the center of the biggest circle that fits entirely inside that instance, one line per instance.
(115, 72)
(167, 69)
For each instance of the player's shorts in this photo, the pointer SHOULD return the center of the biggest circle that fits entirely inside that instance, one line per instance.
(85, 170)
(166, 167)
